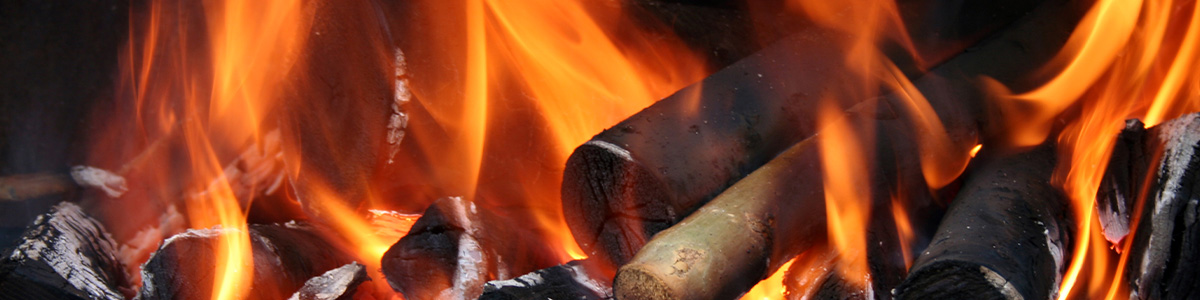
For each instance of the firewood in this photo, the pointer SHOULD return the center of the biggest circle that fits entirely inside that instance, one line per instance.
(632, 181)
(65, 254)
(574, 280)
(1166, 242)
(456, 247)
(1122, 182)
(725, 260)
(27, 186)
(285, 256)
(1004, 237)
(337, 284)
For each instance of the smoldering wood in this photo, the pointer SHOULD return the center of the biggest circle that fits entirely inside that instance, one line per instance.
(456, 247)
(1004, 237)
(1122, 181)
(723, 256)
(1166, 241)
(285, 257)
(64, 254)
(577, 279)
(337, 284)
(631, 181)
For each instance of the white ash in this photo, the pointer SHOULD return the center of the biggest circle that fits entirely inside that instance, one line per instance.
(1181, 136)
(611, 148)
(398, 121)
(112, 184)
(468, 278)
(341, 278)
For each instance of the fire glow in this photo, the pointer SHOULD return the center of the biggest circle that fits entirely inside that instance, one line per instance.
(215, 83)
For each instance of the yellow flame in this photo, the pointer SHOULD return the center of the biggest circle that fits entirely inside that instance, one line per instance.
(846, 201)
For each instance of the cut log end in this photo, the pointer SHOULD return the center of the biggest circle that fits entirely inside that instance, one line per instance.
(619, 203)
(638, 283)
(957, 280)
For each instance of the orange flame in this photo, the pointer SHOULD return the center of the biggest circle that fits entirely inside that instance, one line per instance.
(1126, 59)
(772, 287)
(847, 204)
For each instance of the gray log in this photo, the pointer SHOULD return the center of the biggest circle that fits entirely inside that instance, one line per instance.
(65, 254)
(337, 284)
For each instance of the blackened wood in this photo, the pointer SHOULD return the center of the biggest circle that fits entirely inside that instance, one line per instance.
(1003, 237)
(574, 280)
(456, 247)
(781, 210)
(337, 284)
(634, 179)
(1122, 182)
(64, 255)
(1166, 244)
(285, 256)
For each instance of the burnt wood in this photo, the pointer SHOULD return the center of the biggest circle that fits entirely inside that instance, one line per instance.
(65, 254)
(1166, 242)
(577, 279)
(1122, 182)
(285, 256)
(1004, 237)
(635, 179)
(456, 247)
(337, 284)
(781, 204)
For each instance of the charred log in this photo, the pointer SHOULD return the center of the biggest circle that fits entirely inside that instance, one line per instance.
(630, 181)
(285, 256)
(1120, 188)
(337, 284)
(573, 280)
(456, 247)
(710, 254)
(65, 254)
(1003, 237)
(1166, 242)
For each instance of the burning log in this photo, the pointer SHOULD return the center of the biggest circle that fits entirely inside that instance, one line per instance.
(285, 256)
(1122, 181)
(630, 181)
(699, 258)
(457, 247)
(1165, 244)
(1003, 237)
(573, 280)
(64, 255)
(21, 187)
(337, 284)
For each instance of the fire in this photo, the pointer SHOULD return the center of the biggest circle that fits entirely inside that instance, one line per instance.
(537, 78)
(772, 287)
(1127, 59)
(847, 205)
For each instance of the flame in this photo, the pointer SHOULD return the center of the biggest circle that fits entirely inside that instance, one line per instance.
(847, 204)
(772, 287)
(1126, 59)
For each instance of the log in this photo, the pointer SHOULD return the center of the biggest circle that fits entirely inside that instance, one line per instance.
(1122, 181)
(1004, 237)
(725, 260)
(65, 254)
(633, 180)
(285, 256)
(1166, 242)
(28, 186)
(337, 284)
(578, 279)
(456, 247)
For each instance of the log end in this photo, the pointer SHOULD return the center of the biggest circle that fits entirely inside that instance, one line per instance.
(612, 203)
(956, 280)
(634, 282)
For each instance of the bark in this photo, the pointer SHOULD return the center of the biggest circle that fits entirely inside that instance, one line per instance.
(1166, 242)
(456, 247)
(284, 257)
(636, 178)
(1003, 237)
(65, 254)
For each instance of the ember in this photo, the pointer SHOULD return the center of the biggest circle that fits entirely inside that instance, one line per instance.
(631, 149)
